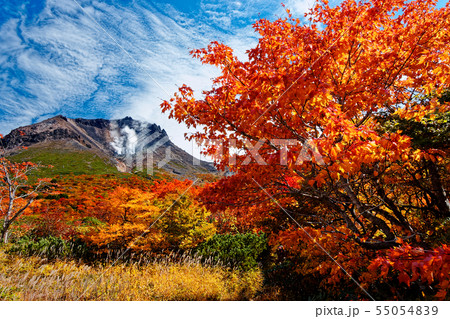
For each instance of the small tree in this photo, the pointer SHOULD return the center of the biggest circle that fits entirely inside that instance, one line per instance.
(16, 192)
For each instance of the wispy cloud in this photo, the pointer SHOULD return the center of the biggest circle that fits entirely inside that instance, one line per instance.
(55, 60)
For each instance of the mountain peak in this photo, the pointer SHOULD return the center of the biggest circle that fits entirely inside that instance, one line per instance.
(119, 140)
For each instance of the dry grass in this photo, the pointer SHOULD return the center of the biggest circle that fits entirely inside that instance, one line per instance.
(35, 278)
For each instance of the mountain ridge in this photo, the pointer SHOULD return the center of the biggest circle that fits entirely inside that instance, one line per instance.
(128, 144)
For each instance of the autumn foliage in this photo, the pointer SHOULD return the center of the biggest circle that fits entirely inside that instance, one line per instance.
(17, 193)
(152, 221)
(414, 265)
(317, 127)
(113, 214)
(335, 135)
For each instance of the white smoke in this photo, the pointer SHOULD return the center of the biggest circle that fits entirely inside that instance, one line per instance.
(131, 140)
(124, 141)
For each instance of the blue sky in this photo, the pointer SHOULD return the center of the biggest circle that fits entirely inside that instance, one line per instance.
(115, 58)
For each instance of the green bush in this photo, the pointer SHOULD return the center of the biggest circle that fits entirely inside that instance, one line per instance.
(49, 247)
(57, 196)
(91, 221)
(241, 251)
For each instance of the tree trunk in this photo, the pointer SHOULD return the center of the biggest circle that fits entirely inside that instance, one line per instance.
(5, 228)
(5, 235)
(443, 203)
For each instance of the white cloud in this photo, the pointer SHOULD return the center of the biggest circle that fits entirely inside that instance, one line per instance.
(62, 62)
(50, 62)
(299, 7)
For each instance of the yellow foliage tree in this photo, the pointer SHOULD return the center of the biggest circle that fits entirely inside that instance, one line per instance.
(143, 221)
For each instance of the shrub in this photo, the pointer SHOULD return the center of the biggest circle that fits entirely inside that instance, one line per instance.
(49, 247)
(242, 251)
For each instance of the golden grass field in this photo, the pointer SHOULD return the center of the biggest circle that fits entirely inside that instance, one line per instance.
(36, 278)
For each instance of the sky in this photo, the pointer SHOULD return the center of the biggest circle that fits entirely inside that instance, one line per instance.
(116, 58)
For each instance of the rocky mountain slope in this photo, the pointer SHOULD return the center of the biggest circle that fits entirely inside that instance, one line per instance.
(127, 144)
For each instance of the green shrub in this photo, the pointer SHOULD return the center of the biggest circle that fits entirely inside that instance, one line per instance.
(57, 196)
(242, 251)
(49, 247)
(91, 221)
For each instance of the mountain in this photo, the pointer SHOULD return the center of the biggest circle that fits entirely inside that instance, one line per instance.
(126, 144)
